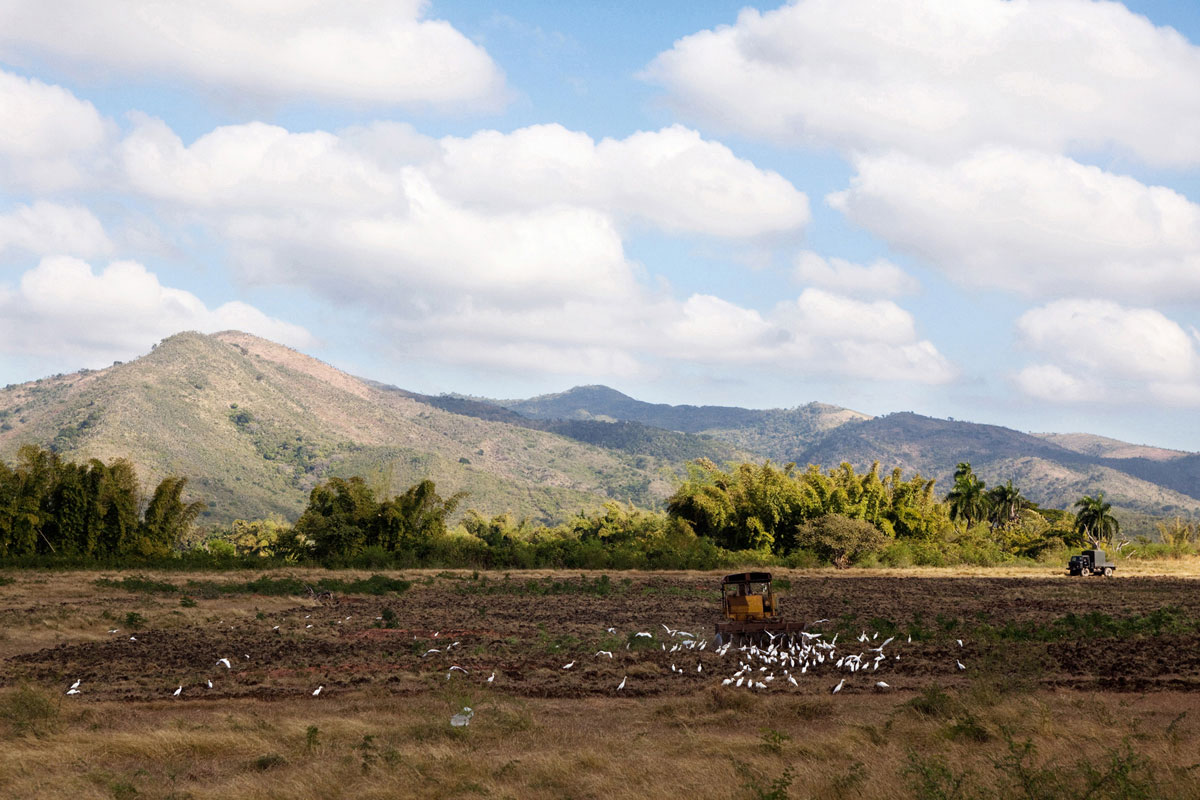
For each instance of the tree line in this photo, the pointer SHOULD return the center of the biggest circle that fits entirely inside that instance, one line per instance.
(745, 513)
(53, 507)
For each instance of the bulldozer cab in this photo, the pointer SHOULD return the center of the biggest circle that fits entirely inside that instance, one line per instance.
(747, 596)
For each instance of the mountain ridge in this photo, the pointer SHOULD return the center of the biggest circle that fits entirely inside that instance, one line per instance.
(255, 424)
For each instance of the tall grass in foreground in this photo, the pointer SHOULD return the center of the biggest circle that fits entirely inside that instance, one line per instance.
(985, 741)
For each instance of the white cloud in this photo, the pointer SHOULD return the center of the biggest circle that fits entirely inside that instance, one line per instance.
(1031, 223)
(523, 217)
(49, 228)
(1099, 350)
(818, 333)
(48, 137)
(62, 308)
(1052, 384)
(382, 52)
(671, 178)
(942, 78)
(255, 166)
(879, 278)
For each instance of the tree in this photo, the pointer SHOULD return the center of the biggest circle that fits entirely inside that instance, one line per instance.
(840, 539)
(340, 515)
(1005, 504)
(167, 517)
(967, 499)
(1094, 521)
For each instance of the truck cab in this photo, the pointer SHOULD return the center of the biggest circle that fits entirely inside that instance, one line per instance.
(1091, 562)
(748, 596)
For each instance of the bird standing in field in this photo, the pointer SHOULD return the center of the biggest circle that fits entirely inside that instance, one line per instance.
(492, 678)
(178, 691)
(621, 685)
(568, 666)
(838, 688)
(317, 690)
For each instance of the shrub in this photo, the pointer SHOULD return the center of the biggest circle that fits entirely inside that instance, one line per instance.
(840, 540)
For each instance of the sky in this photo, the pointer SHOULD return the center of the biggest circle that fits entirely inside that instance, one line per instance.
(987, 210)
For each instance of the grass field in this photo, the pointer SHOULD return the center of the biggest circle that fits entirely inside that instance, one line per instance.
(1074, 688)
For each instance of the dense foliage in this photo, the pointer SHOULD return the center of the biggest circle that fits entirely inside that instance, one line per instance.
(744, 515)
(51, 506)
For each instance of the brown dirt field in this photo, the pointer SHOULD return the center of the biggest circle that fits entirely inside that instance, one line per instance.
(525, 629)
(1037, 706)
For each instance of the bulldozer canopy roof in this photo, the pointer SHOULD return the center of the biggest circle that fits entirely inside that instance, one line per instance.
(747, 577)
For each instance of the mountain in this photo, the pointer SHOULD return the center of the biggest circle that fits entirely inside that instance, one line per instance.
(1052, 469)
(771, 433)
(255, 425)
(1047, 472)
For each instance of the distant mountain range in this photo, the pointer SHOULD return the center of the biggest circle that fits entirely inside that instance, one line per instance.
(255, 425)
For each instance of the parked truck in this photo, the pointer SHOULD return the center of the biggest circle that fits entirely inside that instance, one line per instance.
(1091, 562)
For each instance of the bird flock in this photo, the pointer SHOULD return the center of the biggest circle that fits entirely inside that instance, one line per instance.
(762, 663)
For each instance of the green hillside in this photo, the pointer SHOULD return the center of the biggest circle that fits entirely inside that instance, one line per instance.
(255, 425)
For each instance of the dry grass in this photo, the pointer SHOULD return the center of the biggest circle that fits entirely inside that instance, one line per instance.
(395, 741)
(383, 746)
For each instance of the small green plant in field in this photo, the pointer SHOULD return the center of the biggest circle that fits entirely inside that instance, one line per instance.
(5, 581)
(122, 790)
(758, 788)
(312, 738)
(774, 740)
(269, 761)
(187, 602)
(930, 778)
(850, 782)
(934, 702)
(134, 620)
(968, 728)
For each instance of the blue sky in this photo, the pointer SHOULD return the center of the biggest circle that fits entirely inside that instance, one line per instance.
(987, 210)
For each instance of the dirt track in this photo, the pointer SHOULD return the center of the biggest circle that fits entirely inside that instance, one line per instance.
(526, 629)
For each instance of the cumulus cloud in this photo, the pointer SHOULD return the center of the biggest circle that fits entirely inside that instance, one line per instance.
(380, 52)
(523, 217)
(48, 137)
(818, 333)
(879, 278)
(943, 78)
(1031, 223)
(1100, 350)
(49, 228)
(62, 307)
(671, 178)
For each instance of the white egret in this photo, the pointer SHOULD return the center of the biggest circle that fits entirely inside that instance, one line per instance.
(317, 690)
(621, 685)
(838, 688)
(225, 661)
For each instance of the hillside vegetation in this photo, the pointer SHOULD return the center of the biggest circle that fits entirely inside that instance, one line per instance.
(255, 426)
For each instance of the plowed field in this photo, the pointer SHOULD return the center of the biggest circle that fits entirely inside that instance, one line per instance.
(1123, 634)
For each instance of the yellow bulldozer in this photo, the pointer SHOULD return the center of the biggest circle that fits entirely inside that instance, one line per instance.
(750, 610)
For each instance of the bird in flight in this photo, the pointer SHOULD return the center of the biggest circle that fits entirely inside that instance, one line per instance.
(225, 661)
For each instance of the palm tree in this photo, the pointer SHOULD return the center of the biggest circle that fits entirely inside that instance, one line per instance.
(1007, 503)
(967, 499)
(1094, 521)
